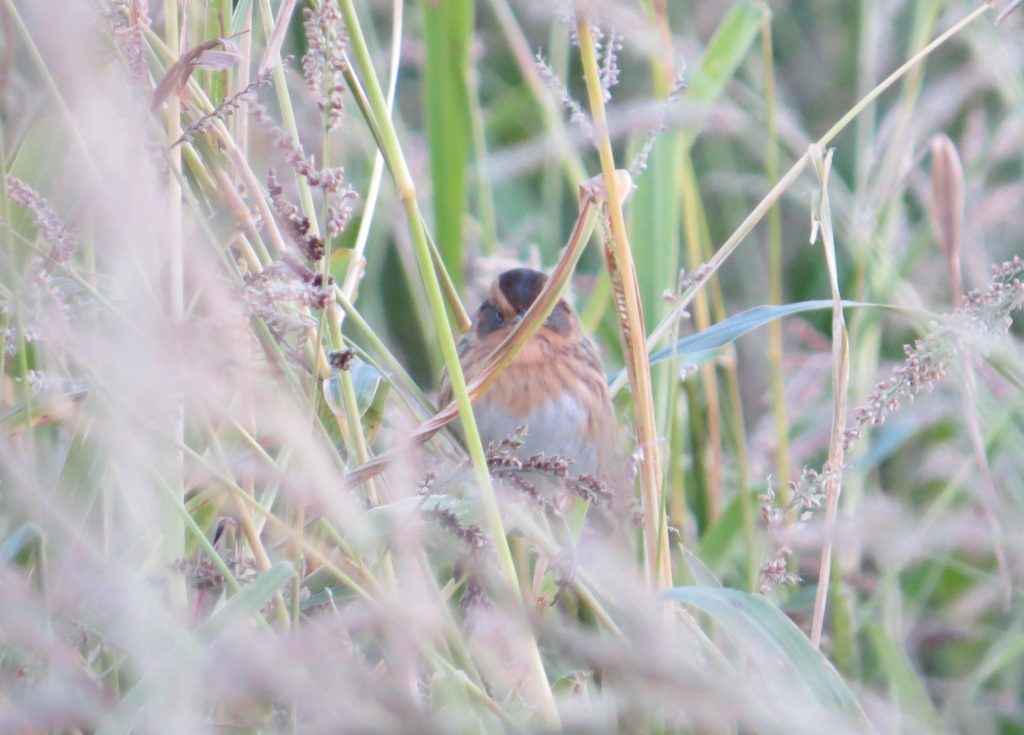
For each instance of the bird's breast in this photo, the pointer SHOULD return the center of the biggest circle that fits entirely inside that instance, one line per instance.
(558, 426)
(555, 387)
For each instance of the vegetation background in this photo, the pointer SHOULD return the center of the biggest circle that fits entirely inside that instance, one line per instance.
(237, 237)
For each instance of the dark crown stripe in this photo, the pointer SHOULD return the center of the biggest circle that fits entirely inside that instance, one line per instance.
(521, 287)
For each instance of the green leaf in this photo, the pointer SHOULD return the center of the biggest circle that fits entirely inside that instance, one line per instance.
(1003, 652)
(697, 348)
(719, 545)
(240, 16)
(702, 576)
(764, 633)
(450, 700)
(248, 601)
(244, 604)
(447, 32)
(724, 53)
(905, 685)
(731, 329)
(654, 225)
(655, 210)
(366, 381)
(26, 538)
(78, 485)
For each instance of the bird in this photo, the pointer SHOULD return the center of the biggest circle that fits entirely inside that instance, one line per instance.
(555, 387)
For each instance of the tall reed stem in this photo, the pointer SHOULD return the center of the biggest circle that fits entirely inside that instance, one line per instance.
(631, 324)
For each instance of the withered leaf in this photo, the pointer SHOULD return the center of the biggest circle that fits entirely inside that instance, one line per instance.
(203, 56)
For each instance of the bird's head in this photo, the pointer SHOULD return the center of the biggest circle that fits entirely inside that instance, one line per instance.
(510, 297)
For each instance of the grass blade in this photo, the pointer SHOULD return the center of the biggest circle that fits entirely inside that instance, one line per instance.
(729, 330)
(760, 628)
(447, 31)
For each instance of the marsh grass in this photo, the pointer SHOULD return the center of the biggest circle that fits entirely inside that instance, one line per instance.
(237, 236)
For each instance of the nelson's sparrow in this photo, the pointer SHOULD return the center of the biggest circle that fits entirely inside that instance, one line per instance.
(556, 385)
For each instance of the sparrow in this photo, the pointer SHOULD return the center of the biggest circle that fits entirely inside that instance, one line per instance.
(556, 386)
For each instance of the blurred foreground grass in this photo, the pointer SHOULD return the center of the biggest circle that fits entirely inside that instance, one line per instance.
(235, 238)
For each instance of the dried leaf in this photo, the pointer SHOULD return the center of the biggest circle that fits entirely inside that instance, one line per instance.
(595, 189)
(219, 60)
(202, 56)
(822, 162)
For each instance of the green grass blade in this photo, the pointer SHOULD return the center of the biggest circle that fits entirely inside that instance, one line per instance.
(721, 544)
(24, 540)
(655, 208)
(447, 32)
(904, 683)
(240, 15)
(761, 628)
(729, 330)
(248, 601)
(725, 51)
(654, 225)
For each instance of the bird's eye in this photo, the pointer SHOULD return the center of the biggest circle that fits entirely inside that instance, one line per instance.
(489, 319)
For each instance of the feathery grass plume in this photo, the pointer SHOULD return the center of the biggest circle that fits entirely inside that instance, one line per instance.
(509, 469)
(331, 181)
(608, 47)
(639, 163)
(554, 472)
(127, 20)
(968, 330)
(296, 224)
(474, 537)
(281, 293)
(8, 335)
(63, 239)
(775, 572)
(576, 114)
(227, 108)
(324, 63)
(591, 489)
(806, 495)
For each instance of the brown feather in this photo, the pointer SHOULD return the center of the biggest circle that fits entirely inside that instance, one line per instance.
(558, 361)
